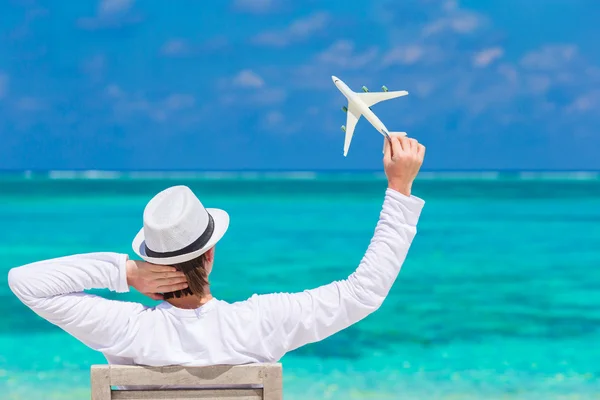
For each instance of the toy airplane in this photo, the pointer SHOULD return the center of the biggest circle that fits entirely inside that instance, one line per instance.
(360, 104)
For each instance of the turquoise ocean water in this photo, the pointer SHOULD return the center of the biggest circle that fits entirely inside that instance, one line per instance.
(499, 296)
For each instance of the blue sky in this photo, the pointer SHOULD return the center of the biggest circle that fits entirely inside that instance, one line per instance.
(245, 84)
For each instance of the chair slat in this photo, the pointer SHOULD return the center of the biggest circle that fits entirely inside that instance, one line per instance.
(220, 394)
(222, 382)
(251, 374)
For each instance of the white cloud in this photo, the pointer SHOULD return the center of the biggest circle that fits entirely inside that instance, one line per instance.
(586, 102)
(132, 104)
(342, 54)
(465, 23)
(179, 101)
(259, 97)
(403, 55)
(256, 6)
(450, 5)
(297, 31)
(248, 89)
(453, 19)
(269, 96)
(113, 91)
(126, 105)
(107, 7)
(424, 88)
(175, 47)
(215, 43)
(538, 83)
(305, 27)
(3, 85)
(274, 118)
(462, 23)
(111, 14)
(179, 47)
(487, 56)
(248, 78)
(549, 57)
(275, 121)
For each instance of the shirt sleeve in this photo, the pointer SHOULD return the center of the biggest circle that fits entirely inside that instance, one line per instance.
(288, 321)
(54, 289)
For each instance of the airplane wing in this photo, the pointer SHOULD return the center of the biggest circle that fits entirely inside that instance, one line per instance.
(371, 98)
(353, 116)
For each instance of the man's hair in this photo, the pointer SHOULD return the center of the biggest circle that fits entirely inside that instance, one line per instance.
(196, 275)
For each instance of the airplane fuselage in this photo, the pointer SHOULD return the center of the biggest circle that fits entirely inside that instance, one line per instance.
(361, 106)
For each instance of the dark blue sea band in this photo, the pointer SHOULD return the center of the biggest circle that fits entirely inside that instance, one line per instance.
(196, 245)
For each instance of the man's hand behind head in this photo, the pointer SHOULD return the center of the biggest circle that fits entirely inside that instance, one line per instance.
(151, 279)
(401, 162)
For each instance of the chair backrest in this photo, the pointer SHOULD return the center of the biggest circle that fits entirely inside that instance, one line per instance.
(222, 382)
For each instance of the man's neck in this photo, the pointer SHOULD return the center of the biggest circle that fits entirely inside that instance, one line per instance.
(191, 301)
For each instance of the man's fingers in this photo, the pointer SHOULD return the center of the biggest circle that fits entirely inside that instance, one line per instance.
(166, 275)
(404, 143)
(421, 151)
(396, 147)
(172, 288)
(387, 150)
(413, 145)
(162, 268)
(154, 296)
(170, 281)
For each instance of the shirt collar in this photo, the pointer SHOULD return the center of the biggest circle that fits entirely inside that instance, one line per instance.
(188, 312)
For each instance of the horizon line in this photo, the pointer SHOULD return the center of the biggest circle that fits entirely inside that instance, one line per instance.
(279, 170)
(323, 175)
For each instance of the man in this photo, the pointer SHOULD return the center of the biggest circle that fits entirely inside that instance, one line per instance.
(191, 327)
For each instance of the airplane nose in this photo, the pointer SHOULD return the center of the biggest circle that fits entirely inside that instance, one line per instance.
(334, 78)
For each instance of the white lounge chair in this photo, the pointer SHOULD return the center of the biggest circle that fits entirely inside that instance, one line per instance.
(222, 382)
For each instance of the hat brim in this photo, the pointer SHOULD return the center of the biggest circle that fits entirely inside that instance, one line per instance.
(221, 219)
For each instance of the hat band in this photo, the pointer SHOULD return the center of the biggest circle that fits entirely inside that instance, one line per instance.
(195, 245)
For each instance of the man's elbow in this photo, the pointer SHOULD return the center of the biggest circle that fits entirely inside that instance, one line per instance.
(366, 301)
(373, 303)
(16, 281)
(370, 292)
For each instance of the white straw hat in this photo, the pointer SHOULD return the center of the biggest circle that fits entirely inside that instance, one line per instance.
(177, 227)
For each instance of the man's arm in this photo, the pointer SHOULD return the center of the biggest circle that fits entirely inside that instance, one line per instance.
(54, 289)
(288, 321)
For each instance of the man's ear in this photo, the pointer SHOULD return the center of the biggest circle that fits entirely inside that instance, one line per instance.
(210, 255)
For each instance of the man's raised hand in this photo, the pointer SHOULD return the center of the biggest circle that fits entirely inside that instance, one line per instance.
(401, 162)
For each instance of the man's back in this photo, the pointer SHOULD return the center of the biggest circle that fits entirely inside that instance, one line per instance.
(216, 333)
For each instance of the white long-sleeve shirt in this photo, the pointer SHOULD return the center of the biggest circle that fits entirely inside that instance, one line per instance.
(260, 329)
